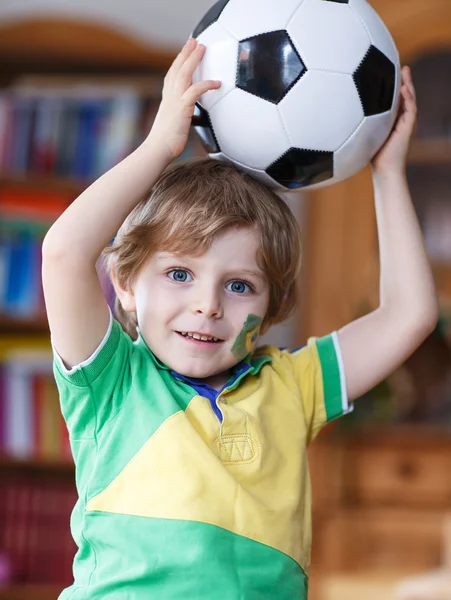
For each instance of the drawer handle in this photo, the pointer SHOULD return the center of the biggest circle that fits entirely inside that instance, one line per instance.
(407, 470)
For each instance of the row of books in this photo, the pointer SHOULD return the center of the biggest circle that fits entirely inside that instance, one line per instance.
(31, 424)
(35, 542)
(72, 131)
(25, 217)
(67, 134)
(20, 281)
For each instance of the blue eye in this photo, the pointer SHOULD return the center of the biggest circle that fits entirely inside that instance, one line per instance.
(239, 287)
(179, 275)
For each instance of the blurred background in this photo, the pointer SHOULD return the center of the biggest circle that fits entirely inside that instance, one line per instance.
(79, 86)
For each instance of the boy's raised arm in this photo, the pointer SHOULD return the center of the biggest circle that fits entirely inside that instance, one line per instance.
(76, 308)
(376, 344)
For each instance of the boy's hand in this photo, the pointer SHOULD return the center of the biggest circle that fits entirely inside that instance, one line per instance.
(392, 155)
(172, 123)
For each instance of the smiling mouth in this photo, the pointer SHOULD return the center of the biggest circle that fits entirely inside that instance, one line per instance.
(199, 338)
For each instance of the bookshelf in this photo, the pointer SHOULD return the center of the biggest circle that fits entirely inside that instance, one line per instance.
(43, 62)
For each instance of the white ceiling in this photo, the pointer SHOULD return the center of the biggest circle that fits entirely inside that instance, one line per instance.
(166, 23)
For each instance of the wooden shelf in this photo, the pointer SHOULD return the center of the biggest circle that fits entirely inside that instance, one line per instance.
(147, 86)
(430, 152)
(44, 182)
(23, 326)
(30, 592)
(62, 45)
(49, 466)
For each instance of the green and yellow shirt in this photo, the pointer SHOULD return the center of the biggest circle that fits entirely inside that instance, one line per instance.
(185, 492)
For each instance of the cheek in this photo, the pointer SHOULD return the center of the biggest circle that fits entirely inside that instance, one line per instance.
(161, 303)
(247, 338)
(241, 310)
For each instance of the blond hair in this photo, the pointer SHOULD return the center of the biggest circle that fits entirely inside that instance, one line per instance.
(187, 207)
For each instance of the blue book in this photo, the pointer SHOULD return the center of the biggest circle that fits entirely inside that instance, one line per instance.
(90, 115)
(5, 259)
(20, 278)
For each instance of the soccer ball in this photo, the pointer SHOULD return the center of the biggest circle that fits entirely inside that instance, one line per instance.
(310, 88)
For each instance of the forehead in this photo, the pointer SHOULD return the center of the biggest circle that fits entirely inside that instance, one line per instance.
(232, 248)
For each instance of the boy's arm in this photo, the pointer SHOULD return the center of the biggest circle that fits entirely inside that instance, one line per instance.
(76, 308)
(376, 344)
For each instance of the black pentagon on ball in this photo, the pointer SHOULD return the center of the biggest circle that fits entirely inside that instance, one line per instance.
(299, 168)
(375, 81)
(338, 1)
(210, 17)
(202, 125)
(268, 65)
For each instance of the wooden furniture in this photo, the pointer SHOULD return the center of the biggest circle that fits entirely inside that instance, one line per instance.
(369, 586)
(435, 585)
(72, 45)
(390, 585)
(380, 499)
(380, 503)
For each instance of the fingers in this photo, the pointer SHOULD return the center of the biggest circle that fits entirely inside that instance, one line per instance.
(193, 93)
(407, 80)
(408, 109)
(183, 55)
(190, 65)
(180, 76)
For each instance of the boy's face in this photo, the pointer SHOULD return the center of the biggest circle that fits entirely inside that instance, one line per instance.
(221, 294)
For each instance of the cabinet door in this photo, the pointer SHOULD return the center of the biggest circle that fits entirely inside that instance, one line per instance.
(381, 539)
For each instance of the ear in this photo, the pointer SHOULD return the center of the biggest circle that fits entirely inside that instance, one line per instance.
(124, 292)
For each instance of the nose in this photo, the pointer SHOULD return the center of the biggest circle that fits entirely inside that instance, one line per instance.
(207, 302)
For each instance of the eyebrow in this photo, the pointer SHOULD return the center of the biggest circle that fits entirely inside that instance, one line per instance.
(257, 274)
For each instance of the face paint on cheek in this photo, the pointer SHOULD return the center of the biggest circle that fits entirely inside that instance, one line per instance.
(247, 338)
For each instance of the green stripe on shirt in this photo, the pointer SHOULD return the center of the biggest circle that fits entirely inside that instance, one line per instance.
(333, 398)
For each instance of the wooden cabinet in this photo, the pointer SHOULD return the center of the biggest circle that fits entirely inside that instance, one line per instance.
(390, 496)
(397, 474)
(365, 539)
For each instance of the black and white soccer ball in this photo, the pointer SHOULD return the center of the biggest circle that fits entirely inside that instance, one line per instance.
(310, 88)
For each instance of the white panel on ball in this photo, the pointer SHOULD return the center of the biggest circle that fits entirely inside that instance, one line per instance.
(256, 173)
(337, 113)
(357, 152)
(246, 18)
(329, 36)
(219, 62)
(248, 129)
(377, 31)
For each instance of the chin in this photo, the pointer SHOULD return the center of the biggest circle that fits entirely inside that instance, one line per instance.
(197, 372)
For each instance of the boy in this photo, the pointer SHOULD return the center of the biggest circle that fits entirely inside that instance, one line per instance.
(190, 444)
